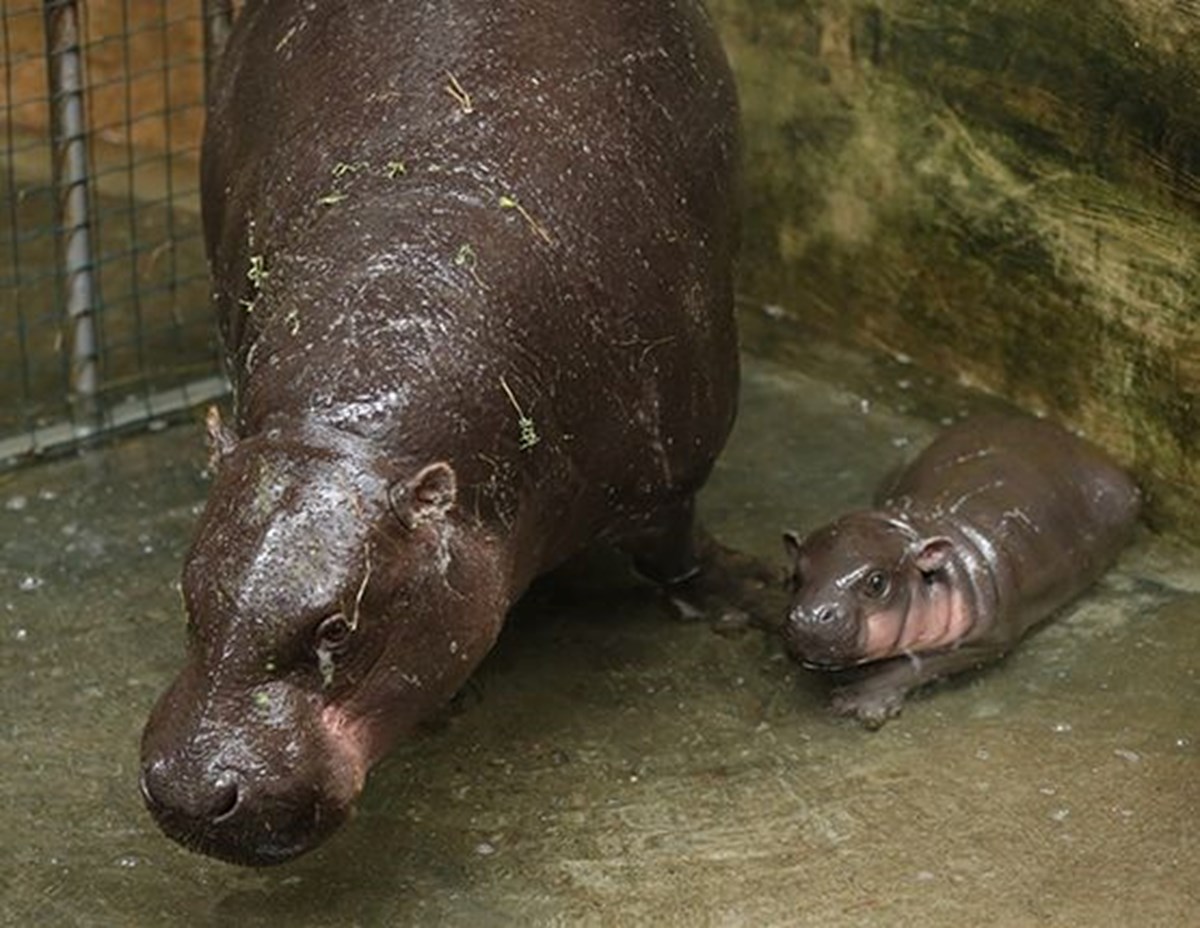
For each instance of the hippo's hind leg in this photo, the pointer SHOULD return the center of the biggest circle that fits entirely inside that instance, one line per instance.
(666, 550)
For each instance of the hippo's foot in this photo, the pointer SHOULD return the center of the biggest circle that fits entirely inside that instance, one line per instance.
(868, 702)
(732, 589)
(703, 579)
(666, 552)
(876, 692)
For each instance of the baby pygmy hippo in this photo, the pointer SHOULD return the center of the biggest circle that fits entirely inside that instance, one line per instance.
(998, 523)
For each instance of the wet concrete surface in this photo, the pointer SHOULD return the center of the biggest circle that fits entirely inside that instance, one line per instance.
(611, 764)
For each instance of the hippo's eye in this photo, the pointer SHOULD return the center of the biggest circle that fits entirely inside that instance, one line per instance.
(333, 634)
(876, 584)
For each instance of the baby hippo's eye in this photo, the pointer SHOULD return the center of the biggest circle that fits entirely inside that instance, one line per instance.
(876, 584)
(333, 634)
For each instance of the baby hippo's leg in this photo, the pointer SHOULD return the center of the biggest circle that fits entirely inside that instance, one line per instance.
(878, 691)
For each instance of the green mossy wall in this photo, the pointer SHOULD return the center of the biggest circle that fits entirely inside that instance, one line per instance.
(1008, 191)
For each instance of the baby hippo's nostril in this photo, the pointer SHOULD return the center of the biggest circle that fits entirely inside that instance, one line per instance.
(801, 617)
(226, 798)
(815, 616)
(823, 615)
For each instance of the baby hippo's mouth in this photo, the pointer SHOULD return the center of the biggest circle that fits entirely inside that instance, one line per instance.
(823, 646)
(826, 664)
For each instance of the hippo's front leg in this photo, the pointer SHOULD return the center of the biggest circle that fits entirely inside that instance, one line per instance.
(878, 690)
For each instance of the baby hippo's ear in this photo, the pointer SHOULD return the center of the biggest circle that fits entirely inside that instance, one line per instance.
(791, 544)
(221, 439)
(931, 554)
(426, 497)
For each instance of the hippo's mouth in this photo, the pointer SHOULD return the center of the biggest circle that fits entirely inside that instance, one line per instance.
(263, 854)
(834, 660)
(246, 828)
(263, 836)
(834, 665)
(824, 656)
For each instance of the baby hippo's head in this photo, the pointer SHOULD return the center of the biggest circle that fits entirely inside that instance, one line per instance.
(865, 588)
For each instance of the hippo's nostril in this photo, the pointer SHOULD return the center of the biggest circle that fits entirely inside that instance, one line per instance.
(824, 615)
(151, 783)
(226, 798)
(169, 792)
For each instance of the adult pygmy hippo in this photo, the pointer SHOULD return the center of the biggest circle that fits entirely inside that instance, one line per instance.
(999, 522)
(472, 266)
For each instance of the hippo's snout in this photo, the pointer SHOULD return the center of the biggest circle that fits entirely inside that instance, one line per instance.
(226, 814)
(252, 782)
(822, 636)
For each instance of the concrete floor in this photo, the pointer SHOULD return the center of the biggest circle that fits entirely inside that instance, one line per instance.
(613, 765)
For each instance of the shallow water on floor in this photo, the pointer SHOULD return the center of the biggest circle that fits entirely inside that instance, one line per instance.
(611, 764)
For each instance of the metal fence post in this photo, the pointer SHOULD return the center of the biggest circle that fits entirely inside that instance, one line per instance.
(69, 128)
(218, 19)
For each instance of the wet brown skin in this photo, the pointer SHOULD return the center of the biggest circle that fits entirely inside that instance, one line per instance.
(472, 267)
(997, 524)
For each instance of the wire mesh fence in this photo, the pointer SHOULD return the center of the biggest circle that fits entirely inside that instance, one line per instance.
(104, 319)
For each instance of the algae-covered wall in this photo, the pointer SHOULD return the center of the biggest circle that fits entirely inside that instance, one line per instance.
(1005, 190)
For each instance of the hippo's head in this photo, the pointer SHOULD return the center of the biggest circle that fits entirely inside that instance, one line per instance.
(865, 588)
(332, 601)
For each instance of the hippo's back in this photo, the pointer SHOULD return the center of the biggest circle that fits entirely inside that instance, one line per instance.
(498, 234)
(1047, 509)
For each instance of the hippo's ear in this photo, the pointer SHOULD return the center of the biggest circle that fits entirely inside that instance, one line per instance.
(426, 497)
(791, 544)
(221, 439)
(931, 554)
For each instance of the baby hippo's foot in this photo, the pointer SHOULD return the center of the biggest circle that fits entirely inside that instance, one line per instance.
(876, 692)
(870, 700)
